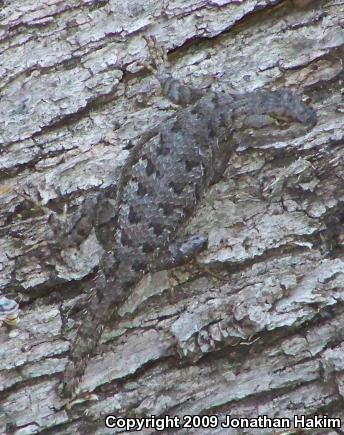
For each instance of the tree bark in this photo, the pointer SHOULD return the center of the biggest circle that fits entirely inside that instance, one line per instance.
(254, 327)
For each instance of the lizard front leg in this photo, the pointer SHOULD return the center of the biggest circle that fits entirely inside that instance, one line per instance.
(172, 88)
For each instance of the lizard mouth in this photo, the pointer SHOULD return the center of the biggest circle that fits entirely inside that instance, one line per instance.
(307, 117)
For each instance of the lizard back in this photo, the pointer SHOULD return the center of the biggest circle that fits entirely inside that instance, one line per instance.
(167, 180)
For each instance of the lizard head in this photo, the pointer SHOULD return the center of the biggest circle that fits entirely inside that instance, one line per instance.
(281, 105)
(262, 117)
(285, 106)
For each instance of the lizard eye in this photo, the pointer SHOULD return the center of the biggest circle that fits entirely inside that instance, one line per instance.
(133, 217)
(125, 240)
(166, 208)
(189, 165)
(149, 168)
(141, 189)
(139, 266)
(177, 188)
(147, 248)
(157, 229)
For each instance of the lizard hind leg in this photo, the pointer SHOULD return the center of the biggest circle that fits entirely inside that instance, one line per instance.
(66, 233)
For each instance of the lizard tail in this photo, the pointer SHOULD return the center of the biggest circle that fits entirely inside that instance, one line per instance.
(94, 319)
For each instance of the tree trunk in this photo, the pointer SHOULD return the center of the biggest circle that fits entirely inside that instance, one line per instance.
(254, 327)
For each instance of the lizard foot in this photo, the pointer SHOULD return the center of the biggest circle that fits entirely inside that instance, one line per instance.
(182, 251)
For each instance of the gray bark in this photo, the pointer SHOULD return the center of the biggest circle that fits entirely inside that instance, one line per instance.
(255, 326)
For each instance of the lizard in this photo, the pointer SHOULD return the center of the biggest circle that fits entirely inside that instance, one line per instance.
(160, 187)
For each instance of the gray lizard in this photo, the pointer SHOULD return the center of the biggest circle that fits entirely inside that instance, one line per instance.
(165, 178)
